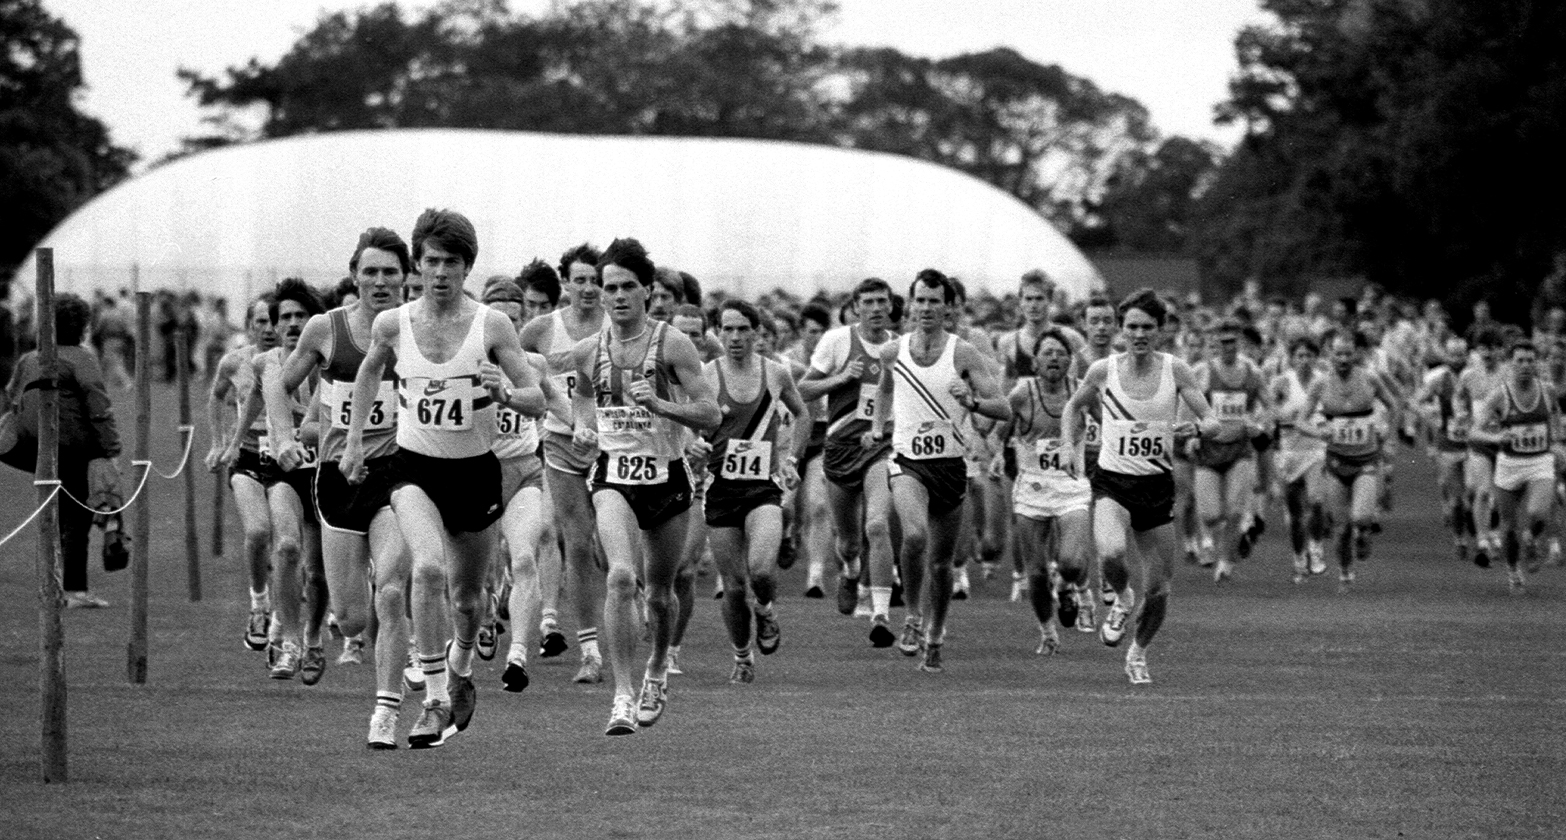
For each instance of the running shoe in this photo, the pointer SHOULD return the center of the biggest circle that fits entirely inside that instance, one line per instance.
(768, 634)
(814, 592)
(592, 670)
(1106, 593)
(1136, 669)
(744, 671)
(674, 668)
(1223, 570)
(1114, 628)
(1316, 554)
(847, 595)
(653, 702)
(1206, 552)
(313, 666)
(987, 569)
(1345, 580)
(1087, 619)
(464, 698)
(1049, 640)
(862, 604)
(1019, 587)
(931, 664)
(881, 635)
(383, 729)
(412, 674)
(1190, 551)
(554, 642)
(433, 726)
(285, 661)
(1301, 567)
(256, 629)
(1066, 608)
(960, 584)
(913, 637)
(622, 718)
(1482, 555)
(1555, 552)
(1244, 544)
(1515, 583)
(353, 651)
(514, 678)
(484, 644)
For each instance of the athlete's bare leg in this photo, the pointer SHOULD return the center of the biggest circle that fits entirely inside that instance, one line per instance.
(815, 525)
(287, 552)
(581, 570)
(346, 563)
(392, 567)
(523, 526)
(255, 516)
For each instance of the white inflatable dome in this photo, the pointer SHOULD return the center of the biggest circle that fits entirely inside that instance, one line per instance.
(741, 215)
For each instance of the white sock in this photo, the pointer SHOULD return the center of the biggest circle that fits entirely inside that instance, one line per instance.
(261, 600)
(881, 600)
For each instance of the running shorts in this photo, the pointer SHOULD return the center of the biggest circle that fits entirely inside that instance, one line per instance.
(466, 491)
(303, 482)
(1296, 464)
(562, 454)
(1050, 497)
(945, 480)
(653, 504)
(845, 462)
(1514, 472)
(518, 473)
(1148, 498)
(1347, 468)
(729, 502)
(351, 507)
(816, 444)
(250, 464)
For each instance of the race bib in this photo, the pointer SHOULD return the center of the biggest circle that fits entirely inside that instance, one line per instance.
(1052, 456)
(625, 468)
(1143, 440)
(510, 424)
(868, 394)
(265, 445)
(566, 382)
(1231, 406)
(1091, 434)
(1530, 438)
(381, 416)
(624, 419)
(933, 439)
(747, 460)
(1351, 431)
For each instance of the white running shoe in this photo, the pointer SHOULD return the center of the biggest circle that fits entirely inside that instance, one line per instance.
(1114, 628)
(674, 663)
(1087, 621)
(654, 701)
(1223, 570)
(353, 651)
(1049, 640)
(622, 718)
(1301, 567)
(1316, 556)
(1136, 668)
(383, 729)
(960, 584)
(862, 607)
(1019, 587)
(1206, 551)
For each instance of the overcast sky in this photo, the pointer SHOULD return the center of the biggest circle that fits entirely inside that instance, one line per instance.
(1174, 56)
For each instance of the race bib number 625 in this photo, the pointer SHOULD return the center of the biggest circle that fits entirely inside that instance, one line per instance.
(635, 469)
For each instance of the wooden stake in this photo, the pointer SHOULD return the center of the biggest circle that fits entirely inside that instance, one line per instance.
(52, 762)
(141, 525)
(192, 540)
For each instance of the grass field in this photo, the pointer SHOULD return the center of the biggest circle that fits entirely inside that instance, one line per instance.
(1426, 704)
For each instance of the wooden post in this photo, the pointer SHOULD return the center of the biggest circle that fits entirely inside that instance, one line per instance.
(218, 487)
(141, 526)
(192, 541)
(51, 635)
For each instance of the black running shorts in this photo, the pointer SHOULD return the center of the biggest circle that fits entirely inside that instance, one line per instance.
(465, 490)
(845, 461)
(351, 507)
(816, 444)
(303, 482)
(251, 465)
(729, 502)
(945, 480)
(1148, 498)
(653, 504)
(1347, 469)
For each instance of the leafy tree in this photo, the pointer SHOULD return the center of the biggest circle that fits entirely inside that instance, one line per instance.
(52, 156)
(1150, 199)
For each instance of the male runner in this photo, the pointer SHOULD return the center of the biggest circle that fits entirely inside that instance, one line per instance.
(1475, 385)
(1014, 350)
(1520, 417)
(446, 483)
(1447, 431)
(568, 460)
(1052, 504)
(231, 381)
(1225, 476)
(815, 525)
(1300, 458)
(690, 320)
(358, 529)
(846, 369)
(1101, 323)
(929, 377)
(743, 508)
(1138, 392)
(627, 403)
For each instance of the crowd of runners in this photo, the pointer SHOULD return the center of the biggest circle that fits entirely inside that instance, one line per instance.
(441, 472)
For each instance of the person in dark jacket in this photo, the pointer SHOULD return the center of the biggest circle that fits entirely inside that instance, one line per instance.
(89, 438)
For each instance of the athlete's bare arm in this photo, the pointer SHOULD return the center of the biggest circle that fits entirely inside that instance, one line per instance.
(533, 332)
(700, 409)
(883, 396)
(783, 380)
(818, 382)
(585, 426)
(978, 388)
(1388, 399)
(525, 395)
(222, 385)
(383, 341)
(1487, 419)
(1086, 396)
(1185, 384)
(249, 410)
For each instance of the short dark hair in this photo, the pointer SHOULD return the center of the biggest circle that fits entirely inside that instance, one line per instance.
(1488, 337)
(583, 253)
(539, 276)
(503, 290)
(628, 254)
(298, 291)
(345, 287)
(1098, 301)
(933, 279)
(1306, 342)
(1053, 332)
(1522, 344)
(814, 311)
(1149, 302)
(670, 279)
(869, 285)
(381, 239)
(751, 313)
(449, 230)
(71, 317)
(691, 310)
(692, 288)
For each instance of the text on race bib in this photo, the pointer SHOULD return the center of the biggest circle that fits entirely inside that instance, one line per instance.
(511, 424)
(868, 394)
(265, 445)
(1091, 434)
(1144, 444)
(747, 460)
(1529, 438)
(338, 400)
(933, 439)
(1051, 455)
(566, 382)
(1230, 405)
(625, 468)
(624, 419)
(1351, 431)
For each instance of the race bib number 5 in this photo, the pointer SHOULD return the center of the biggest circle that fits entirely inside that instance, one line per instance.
(867, 397)
(747, 460)
(635, 469)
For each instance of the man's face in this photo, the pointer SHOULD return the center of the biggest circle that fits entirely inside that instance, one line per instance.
(661, 305)
(1140, 329)
(624, 296)
(810, 334)
(1052, 360)
(413, 287)
(1033, 300)
(738, 337)
(1525, 364)
(874, 309)
(1226, 345)
(1100, 324)
(260, 327)
(927, 307)
(444, 273)
(1344, 355)
(512, 310)
(379, 279)
(1456, 351)
(291, 318)
(690, 326)
(1303, 358)
(537, 303)
(582, 286)
(1489, 355)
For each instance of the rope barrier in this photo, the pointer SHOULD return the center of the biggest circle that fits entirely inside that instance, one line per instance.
(190, 437)
(29, 520)
(146, 473)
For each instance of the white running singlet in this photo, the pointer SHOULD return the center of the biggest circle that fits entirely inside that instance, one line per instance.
(442, 410)
(924, 412)
(1138, 435)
